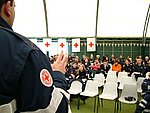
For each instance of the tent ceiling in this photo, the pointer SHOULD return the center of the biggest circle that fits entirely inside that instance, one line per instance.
(77, 18)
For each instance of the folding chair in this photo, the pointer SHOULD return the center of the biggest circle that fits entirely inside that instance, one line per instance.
(129, 90)
(91, 90)
(76, 89)
(109, 93)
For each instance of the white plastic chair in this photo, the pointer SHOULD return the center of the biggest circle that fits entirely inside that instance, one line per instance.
(120, 74)
(139, 83)
(91, 90)
(126, 80)
(112, 73)
(109, 93)
(129, 90)
(147, 74)
(100, 79)
(76, 89)
(111, 78)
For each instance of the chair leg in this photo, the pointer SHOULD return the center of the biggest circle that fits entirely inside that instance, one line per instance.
(78, 101)
(115, 106)
(98, 104)
(94, 104)
(102, 102)
(120, 106)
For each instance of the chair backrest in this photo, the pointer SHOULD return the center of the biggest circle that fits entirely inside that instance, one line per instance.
(76, 85)
(110, 88)
(139, 83)
(125, 80)
(120, 74)
(99, 78)
(147, 74)
(129, 90)
(91, 86)
(112, 73)
(111, 78)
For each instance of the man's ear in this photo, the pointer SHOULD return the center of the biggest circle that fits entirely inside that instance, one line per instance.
(7, 9)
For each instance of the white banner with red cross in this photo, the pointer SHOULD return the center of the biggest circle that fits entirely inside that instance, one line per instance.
(76, 45)
(91, 44)
(62, 45)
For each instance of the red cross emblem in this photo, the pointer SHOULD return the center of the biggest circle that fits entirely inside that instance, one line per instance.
(47, 44)
(91, 44)
(46, 78)
(76, 45)
(62, 45)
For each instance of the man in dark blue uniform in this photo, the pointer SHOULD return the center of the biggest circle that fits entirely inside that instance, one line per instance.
(144, 104)
(139, 67)
(28, 82)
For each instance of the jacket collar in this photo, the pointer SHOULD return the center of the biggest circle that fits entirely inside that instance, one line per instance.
(3, 23)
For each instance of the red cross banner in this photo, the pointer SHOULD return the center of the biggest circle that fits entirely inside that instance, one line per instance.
(47, 45)
(91, 44)
(62, 45)
(76, 45)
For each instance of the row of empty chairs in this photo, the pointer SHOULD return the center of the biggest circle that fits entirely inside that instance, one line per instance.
(91, 90)
(121, 79)
(110, 93)
(128, 86)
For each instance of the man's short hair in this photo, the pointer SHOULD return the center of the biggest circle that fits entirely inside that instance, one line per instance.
(4, 2)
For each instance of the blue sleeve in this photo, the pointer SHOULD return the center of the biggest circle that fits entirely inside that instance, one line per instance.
(59, 80)
(33, 94)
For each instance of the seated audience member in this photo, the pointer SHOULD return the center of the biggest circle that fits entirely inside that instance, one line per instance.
(105, 67)
(116, 66)
(98, 58)
(91, 58)
(139, 67)
(144, 104)
(76, 59)
(71, 73)
(107, 58)
(82, 77)
(146, 60)
(148, 66)
(95, 67)
(127, 67)
(87, 63)
(83, 59)
(121, 59)
(112, 59)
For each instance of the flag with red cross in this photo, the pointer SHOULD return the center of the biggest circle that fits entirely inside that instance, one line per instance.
(91, 44)
(76, 45)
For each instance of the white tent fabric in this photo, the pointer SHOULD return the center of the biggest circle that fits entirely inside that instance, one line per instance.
(77, 18)
(122, 18)
(30, 18)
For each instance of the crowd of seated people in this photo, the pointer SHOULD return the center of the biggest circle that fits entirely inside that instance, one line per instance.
(86, 67)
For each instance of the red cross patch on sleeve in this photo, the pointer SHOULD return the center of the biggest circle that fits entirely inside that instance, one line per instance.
(46, 78)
